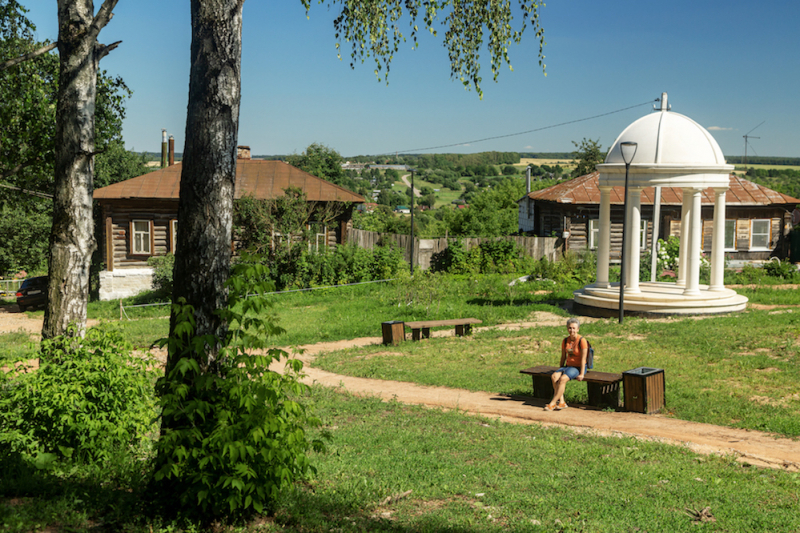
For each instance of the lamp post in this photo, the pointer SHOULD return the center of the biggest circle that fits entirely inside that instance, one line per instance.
(628, 150)
(412, 220)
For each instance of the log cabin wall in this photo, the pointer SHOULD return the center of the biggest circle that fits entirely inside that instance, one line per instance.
(553, 219)
(118, 217)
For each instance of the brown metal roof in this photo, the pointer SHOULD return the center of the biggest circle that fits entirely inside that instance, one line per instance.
(259, 179)
(585, 190)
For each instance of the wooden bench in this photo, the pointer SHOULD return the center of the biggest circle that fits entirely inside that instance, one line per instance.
(603, 387)
(422, 329)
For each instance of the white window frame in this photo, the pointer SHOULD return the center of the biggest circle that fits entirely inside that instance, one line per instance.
(732, 234)
(594, 233)
(146, 238)
(643, 233)
(768, 234)
(173, 235)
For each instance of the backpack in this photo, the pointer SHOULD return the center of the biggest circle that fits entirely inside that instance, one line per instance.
(589, 355)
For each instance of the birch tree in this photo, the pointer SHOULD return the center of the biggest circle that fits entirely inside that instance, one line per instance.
(370, 29)
(72, 237)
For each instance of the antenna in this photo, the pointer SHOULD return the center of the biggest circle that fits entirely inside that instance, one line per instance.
(748, 136)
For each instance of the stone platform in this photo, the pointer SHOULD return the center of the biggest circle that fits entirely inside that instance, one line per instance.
(657, 298)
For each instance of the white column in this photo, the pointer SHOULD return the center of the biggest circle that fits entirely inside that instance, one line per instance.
(694, 246)
(718, 242)
(604, 246)
(686, 213)
(635, 236)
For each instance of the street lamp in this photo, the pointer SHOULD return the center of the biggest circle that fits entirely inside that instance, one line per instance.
(628, 150)
(412, 220)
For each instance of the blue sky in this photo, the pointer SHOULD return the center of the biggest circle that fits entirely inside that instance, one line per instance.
(727, 65)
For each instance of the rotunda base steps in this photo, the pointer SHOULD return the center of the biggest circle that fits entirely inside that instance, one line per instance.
(657, 298)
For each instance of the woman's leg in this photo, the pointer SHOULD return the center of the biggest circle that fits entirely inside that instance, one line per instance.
(559, 390)
(556, 378)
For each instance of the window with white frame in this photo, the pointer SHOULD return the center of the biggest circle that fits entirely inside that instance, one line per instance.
(760, 234)
(141, 233)
(594, 233)
(730, 235)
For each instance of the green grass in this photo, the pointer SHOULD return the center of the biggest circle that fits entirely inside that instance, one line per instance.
(740, 370)
(469, 474)
(17, 345)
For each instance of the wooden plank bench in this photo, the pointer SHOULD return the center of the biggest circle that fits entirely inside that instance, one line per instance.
(603, 387)
(422, 329)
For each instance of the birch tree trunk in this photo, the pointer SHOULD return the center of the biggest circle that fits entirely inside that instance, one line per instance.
(205, 211)
(72, 237)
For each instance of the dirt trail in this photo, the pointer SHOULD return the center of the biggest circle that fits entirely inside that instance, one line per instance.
(752, 447)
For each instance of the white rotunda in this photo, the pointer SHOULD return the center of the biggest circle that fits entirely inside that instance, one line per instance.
(672, 151)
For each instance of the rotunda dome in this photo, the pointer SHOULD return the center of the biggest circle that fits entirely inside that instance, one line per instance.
(672, 149)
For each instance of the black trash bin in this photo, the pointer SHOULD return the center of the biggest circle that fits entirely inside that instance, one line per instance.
(644, 389)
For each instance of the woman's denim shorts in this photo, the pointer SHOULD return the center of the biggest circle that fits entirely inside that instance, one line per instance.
(570, 371)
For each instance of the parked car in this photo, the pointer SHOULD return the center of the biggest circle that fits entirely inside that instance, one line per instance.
(32, 293)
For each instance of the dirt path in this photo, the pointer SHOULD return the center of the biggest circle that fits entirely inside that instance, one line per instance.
(752, 447)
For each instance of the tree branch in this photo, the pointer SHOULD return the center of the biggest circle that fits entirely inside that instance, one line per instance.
(16, 61)
(104, 15)
(26, 191)
(104, 50)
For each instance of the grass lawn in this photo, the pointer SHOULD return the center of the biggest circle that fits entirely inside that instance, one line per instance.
(467, 473)
(464, 474)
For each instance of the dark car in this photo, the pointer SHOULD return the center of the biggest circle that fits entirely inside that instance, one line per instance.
(32, 293)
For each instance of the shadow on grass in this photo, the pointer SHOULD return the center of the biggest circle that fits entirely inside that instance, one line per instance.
(33, 499)
(323, 512)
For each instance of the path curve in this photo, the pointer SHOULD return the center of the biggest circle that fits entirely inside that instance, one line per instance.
(751, 447)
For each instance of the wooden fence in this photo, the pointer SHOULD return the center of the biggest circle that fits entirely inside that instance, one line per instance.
(425, 249)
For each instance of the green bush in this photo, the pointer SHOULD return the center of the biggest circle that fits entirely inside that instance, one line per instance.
(89, 398)
(572, 270)
(162, 272)
(233, 431)
(780, 269)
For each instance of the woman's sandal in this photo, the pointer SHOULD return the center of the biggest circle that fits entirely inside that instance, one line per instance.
(561, 405)
(550, 407)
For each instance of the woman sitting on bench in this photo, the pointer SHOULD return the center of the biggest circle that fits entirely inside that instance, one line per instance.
(574, 349)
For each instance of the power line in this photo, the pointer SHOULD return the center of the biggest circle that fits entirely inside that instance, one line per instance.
(521, 132)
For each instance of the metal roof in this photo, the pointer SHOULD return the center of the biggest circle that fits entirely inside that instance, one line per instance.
(260, 179)
(585, 190)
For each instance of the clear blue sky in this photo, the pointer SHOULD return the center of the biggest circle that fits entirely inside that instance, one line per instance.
(727, 65)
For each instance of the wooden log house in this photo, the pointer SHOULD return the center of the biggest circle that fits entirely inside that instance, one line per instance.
(757, 219)
(139, 215)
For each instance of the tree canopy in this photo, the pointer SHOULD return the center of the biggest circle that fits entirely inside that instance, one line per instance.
(587, 156)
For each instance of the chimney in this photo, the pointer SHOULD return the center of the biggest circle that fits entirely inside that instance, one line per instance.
(242, 152)
(163, 148)
(171, 150)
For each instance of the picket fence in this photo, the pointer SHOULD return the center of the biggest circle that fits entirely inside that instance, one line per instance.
(425, 249)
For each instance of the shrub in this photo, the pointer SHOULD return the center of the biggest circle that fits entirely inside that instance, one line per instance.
(233, 431)
(88, 399)
(780, 269)
(574, 269)
(162, 272)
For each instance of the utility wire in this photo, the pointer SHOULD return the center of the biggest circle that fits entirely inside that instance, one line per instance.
(522, 132)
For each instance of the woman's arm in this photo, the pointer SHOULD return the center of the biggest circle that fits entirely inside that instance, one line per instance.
(563, 353)
(584, 355)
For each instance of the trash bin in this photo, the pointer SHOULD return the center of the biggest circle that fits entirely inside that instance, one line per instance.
(644, 389)
(393, 331)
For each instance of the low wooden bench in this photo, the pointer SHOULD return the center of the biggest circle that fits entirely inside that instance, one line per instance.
(422, 329)
(603, 387)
